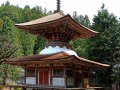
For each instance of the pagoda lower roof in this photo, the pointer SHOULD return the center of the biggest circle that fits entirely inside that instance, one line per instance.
(47, 23)
(61, 58)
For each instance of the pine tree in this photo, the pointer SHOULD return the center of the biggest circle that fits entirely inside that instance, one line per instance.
(80, 45)
(7, 3)
(103, 47)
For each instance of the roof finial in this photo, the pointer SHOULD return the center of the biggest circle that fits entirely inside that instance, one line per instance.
(58, 5)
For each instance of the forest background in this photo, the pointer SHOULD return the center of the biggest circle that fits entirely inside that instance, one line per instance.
(104, 48)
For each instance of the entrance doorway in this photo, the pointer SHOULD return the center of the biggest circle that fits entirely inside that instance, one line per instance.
(44, 77)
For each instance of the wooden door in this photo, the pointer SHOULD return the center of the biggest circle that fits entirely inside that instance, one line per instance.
(44, 77)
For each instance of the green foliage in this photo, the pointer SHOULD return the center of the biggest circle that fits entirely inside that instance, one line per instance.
(9, 46)
(27, 43)
(14, 42)
(83, 20)
(39, 45)
(38, 12)
(103, 47)
(31, 47)
(116, 68)
(34, 13)
(7, 3)
(8, 29)
(107, 41)
(9, 73)
(13, 12)
(1, 24)
(7, 49)
(80, 45)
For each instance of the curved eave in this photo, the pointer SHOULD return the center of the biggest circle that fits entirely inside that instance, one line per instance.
(63, 19)
(84, 27)
(59, 58)
(84, 31)
(93, 62)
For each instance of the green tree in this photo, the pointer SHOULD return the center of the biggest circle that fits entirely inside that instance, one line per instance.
(27, 13)
(103, 47)
(9, 74)
(14, 42)
(9, 48)
(81, 45)
(31, 47)
(27, 43)
(116, 69)
(13, 12)
(7, 3)
(39, 45)
(12, 34)
(37, 12)
(83, 20)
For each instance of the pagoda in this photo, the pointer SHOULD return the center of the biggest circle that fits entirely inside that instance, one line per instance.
(57, 65)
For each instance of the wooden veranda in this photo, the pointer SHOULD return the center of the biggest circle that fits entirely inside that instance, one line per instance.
(38, 87)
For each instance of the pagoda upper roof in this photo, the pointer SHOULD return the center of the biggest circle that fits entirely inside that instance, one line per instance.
(45, 19)
(57, 58)
(44, 24)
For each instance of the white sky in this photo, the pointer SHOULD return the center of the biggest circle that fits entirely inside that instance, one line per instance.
(89, 7)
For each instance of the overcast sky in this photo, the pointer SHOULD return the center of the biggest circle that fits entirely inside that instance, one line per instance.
(89, 7)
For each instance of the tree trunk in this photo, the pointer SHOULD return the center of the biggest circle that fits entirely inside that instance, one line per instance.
(4, 81)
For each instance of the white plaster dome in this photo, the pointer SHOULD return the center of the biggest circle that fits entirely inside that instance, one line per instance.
(57, 49)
